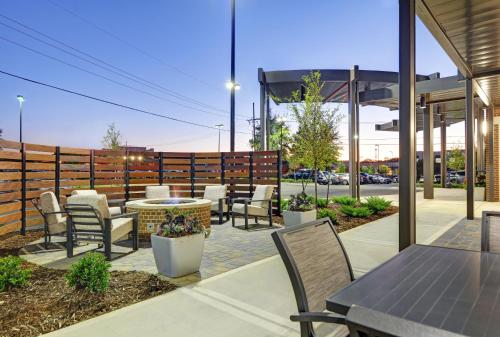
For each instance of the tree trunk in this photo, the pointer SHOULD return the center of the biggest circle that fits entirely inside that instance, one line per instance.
(328, 191)
(316, 187)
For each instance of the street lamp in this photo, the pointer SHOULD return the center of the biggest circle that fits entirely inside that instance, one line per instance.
(20, 98)
(219, 126)
(233, 85)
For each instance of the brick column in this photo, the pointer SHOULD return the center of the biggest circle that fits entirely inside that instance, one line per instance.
(496, 157)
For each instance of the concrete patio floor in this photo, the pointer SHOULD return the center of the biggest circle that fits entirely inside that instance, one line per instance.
(257, 299)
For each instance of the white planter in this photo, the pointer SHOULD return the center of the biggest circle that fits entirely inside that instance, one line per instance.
(176, 257)
(479, 193)
(292, 218)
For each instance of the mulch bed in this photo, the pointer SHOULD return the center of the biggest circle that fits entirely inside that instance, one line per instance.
(11, 243)
(48, 303)
(345, 222)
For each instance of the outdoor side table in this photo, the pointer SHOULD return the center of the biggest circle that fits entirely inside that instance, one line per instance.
(452, 289)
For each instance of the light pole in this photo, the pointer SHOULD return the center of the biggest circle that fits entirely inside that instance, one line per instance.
(20, 98)
(233, 80)
(219, 126)
(377, 154)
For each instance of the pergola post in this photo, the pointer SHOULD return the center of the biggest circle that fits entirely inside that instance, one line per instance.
(407, 126)
(444, 168)
(353, 125)
(268, 120)
(428, 149)
(263, 118)
(469, 147)
(491, 154)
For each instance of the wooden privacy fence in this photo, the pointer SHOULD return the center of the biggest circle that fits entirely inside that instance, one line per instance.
(27, 170)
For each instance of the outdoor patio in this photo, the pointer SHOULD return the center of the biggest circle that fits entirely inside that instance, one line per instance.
(226, 248)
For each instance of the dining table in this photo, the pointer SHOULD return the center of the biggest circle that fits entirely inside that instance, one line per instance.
(451, 289)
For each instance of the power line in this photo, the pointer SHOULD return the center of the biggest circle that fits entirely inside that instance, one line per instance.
(120, 72)
(103, 77)
(113, 103)
(130, 45)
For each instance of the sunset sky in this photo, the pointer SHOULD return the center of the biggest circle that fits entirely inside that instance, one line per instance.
(180, 51)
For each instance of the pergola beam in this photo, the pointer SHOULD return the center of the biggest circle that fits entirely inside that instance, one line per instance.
(407, 124)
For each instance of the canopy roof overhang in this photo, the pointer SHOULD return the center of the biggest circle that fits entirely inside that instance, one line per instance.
(376, 88)
(469, 32)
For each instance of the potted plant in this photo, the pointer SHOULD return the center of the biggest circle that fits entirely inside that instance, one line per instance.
(178, 244)
(300, 210)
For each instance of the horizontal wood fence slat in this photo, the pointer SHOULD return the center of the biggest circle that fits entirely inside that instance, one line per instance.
(27, 170)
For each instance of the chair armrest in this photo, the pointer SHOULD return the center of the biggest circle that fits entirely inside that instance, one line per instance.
(240, 199)
(125, 215)
(60, 212)
(116, 202)
(490, 213)
(261, 200)
(326, 317)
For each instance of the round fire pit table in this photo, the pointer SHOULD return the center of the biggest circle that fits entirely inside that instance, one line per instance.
(152, 212)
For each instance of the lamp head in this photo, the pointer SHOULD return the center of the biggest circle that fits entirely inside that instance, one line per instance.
(20, 98)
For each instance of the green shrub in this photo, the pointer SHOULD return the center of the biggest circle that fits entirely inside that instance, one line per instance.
(321, 203)
(356, 212)
(327, 213)
(91, 273)
(300, 203)
(377, 204)
(346, 201)
(12, 273)
(284, 204)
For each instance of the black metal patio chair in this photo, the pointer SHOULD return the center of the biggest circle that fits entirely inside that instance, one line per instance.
(54, 219)
(260, 205)
(318, 266)
(363, 322)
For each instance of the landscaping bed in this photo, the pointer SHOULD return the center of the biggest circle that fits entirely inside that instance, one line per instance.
(345, 222)
(48, 303)
(11, 243)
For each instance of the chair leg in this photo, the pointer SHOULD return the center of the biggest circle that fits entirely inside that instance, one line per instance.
(257, 220)
(135, 233)
(220, 212)
(270, 213)
(46, 241)
(227, 216)
(246, 216)
(221, 216)
(69, 238)
(232, 218)
(107, 239)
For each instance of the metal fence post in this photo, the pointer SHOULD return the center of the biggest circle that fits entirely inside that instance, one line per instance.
(192, 174)
(92, 169)
(160, 168)
(280, 163)
(23, 189)
(58, 172)
(127, 177)
(250, 173)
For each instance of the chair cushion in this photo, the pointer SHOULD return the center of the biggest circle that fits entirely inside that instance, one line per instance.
(215, 192)
(157, 192)
(115, 210)
(48, 204)
(84, 192)
(58, 228)
(121, 227)
(262, 192)
(215, 206)
(99, 202)
(252, 210)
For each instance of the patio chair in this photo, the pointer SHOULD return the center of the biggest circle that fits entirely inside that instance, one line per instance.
(260, 205)
(220, 201)
(53, 220)
(89, 220)
(114, 210)
(363, 322)
(318, 266)
(157, 192)
(490, 231)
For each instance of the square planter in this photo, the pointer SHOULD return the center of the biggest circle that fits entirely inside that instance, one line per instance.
(292, 218)
(177, 257)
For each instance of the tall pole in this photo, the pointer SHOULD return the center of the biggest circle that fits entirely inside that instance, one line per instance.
(219, 126)
(233, 88)
(407, 126)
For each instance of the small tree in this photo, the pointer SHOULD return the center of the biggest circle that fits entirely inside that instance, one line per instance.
(367, 169)
(280, 134)
(316, 143)
(341, 168)
(112, 139)
(456, 159)
(384, 169)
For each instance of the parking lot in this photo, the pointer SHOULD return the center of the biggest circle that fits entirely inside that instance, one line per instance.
(288, 189)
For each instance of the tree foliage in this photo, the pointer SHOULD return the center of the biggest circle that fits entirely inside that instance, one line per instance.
(316, 143)
(384, 169)
(279, 132)
(112, 138)
(456, 159)
(368, 169)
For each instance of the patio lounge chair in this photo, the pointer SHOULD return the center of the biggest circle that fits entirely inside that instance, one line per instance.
(53, 220)
(89, 220)
(363, 322)
(220, 202)
(157, 192)
(260, 205)
(490, 232)
(318, 266)
(114, 210)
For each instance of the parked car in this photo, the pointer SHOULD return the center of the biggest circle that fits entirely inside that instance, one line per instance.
(460, 177)
(324, 178)
(335, 178)
(366, 178)
(395, 178)
(343, 178)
